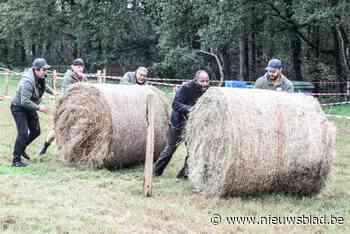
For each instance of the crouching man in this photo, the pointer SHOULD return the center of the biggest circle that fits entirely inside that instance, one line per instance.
(185, 98)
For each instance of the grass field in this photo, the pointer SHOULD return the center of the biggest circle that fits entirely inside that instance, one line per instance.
(338, 110)
(47, 197)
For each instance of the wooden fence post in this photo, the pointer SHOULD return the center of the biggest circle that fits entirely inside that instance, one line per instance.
(6, 87)
(54, 81)
(347, 90)
(148, 174)
(99, 76)
(104, 75)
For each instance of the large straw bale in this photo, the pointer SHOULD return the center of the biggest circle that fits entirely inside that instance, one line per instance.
(251, 141)
(105, 126)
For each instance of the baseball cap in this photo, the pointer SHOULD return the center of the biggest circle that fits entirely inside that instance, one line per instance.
(78, 62)
(274, 64)
(39, 63)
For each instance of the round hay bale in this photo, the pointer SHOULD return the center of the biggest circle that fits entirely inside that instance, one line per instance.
(105, 126)
(245, 142)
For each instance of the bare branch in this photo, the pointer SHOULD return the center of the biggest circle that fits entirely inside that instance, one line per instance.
(218, 63)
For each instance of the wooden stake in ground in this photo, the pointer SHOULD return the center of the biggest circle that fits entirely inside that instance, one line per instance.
(54, 81)
(104, 76)
(7, 77)
(99, 76)
(147, 182)
(347, 90)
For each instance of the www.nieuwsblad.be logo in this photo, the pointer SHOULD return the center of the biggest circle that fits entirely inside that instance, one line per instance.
(217, 219)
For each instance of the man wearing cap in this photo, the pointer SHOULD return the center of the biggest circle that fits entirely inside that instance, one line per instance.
(185, 98)
(274, 79)
(73, 75)
(138, 77)
(24, 107)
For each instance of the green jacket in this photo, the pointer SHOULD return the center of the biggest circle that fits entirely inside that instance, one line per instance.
(69, 78)
(265, 83)
(30, 91)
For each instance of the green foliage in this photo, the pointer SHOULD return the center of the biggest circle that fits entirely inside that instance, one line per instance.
(102, 32)
(166, 35)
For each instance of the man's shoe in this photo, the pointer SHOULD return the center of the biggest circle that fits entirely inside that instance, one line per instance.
(25, 155)
(183, 174)
(156, 174)
(43, 149)
(19, 164)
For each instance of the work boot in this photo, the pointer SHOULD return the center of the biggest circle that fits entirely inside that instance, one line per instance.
(18, 163)
(183, 173)
(43, 149)
(156, 172)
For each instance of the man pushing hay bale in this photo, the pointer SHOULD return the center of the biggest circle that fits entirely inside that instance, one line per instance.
(251, 141)
(105, 126)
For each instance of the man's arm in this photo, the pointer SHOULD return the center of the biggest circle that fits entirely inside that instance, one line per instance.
(180, 99)
(126, 79)
(290, 87)
(258, 84)
(49, 90)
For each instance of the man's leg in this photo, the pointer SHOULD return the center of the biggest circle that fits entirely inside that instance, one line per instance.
(34, 130)
(33, 126)
(183, 173)
(174, 139)
(20, 117)
(47, 143)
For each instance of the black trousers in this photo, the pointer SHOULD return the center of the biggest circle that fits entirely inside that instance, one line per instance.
(175, 137)
(28, 128)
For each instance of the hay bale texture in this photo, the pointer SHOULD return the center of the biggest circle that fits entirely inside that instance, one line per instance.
(244, 142)
(105, 126)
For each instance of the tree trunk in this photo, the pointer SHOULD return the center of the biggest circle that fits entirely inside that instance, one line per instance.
(342, 53)
(5, 52)
(316, 35)
(23, 60)
(342, 69)
(243, 56)
(226, 61)
(33, 48)
(295, 49)
(344, 45)
(253, 54)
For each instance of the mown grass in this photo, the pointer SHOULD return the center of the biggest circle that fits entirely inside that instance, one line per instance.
(48, 197)
(338, 110)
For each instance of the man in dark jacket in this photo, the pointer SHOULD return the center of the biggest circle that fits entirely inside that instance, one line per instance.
(73, 75)
(185, 98)
(24, 107)
(138, 77)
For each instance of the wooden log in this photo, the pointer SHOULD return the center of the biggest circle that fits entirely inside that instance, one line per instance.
(147, 183)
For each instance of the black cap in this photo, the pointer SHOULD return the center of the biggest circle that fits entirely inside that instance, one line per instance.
(39, 63)
(78, 62)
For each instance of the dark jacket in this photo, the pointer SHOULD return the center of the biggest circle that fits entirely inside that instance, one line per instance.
(70, 78)
(29, 91)
(185, 98)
